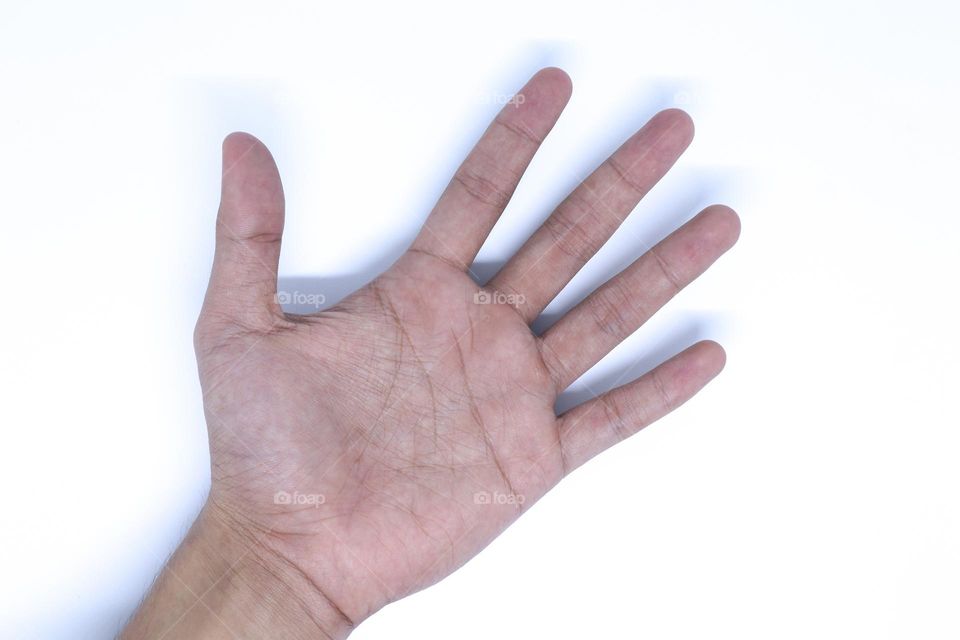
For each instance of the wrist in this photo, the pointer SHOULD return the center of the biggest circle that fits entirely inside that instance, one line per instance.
(224, 582)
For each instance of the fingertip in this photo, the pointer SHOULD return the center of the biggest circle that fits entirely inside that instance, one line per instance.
(244, 153)
(677, 120)
(557, 78)
(237, 143)
(548, 90)
(710, 357)
(724, 222)
(239, 136)
(251, 193)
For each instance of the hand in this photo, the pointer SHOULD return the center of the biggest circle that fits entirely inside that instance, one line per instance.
(366, 451)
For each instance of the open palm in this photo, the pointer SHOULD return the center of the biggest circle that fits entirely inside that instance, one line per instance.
(378, 445)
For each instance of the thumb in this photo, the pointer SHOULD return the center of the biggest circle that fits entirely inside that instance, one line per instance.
(243, 282)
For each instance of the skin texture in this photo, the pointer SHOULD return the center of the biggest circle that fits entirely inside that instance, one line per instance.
(414, 421)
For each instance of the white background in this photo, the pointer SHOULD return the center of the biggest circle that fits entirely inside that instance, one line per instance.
(810, 491)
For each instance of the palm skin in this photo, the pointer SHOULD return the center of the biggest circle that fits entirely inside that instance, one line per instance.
(422, 422)
(445, 401)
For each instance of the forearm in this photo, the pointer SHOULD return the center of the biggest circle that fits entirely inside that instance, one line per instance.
(222, 583)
